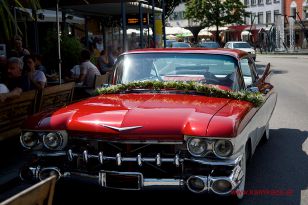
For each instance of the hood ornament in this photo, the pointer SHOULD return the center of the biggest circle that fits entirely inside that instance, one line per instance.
(120, 129)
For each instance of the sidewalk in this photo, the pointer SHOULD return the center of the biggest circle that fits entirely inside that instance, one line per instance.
(302, 51)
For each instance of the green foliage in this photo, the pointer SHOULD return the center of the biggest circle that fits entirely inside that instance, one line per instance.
(70, 51)
(169, 6)
(215, 12)
(188, 87)
(7, 14)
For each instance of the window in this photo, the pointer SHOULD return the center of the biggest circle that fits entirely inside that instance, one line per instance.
(293, 11)
(247, 71)
(254, 18)
(253, 2)
(276, 15)
(260, 2)
(268, 17)
(260, 18)
(246, 2)
(305, 12)
(276, 1)
(268, 1)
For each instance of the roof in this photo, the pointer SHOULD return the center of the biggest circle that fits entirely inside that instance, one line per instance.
(100, 7)
(218, 51)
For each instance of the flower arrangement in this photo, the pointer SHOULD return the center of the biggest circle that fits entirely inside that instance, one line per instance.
(211, 91)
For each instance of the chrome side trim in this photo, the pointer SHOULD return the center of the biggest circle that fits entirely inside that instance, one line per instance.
(151, 182)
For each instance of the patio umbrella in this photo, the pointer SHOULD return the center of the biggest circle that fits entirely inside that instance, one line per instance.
(171, 37)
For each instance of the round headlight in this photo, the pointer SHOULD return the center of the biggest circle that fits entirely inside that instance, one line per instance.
(54, 141)
(196, 146)
(29, 140)
(223, 148)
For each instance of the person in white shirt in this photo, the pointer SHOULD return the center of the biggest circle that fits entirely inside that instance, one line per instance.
(3, 88)
(5, 92)
(37, 78)
(88, 70)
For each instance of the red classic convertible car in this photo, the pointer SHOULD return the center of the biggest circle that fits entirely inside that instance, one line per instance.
(185, 118)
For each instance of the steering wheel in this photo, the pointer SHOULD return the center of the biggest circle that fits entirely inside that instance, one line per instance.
(210, 78)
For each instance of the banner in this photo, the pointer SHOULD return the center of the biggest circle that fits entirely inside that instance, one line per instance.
(158, 30)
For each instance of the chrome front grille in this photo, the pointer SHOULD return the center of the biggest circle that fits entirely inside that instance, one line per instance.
(119, 159)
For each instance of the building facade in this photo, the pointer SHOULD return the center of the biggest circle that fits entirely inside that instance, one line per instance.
(298, 9)
(263, 13)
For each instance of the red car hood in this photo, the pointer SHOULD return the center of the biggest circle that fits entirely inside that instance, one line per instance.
(135, 116)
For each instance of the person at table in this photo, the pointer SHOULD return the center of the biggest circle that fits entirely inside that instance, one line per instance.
(36, 78)
(5, 93)
(15, 79)
(18, 51)
(104, 62)
(88, 70)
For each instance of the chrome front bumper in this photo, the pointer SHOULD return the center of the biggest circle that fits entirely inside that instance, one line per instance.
(208, 182)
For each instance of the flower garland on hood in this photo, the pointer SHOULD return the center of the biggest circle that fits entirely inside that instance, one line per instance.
(208, 90)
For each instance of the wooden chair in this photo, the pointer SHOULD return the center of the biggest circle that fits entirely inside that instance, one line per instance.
(56, 96)
(39, 194)
(13, 112)
(100, 80)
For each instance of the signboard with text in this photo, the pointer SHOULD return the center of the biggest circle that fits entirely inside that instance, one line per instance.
(133, 20)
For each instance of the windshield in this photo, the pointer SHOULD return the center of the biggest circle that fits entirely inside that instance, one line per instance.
(241, 45)
(203, 68)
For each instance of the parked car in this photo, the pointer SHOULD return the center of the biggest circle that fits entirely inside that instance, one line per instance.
(172, 117)
(209, 44)
(180, 45)
(169, 42)
(241, 45)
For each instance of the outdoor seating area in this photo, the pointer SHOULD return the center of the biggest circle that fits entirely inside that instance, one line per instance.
(15, 111)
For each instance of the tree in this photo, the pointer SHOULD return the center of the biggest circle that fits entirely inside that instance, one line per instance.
(7, 13)
(215, 12)
(169, 6)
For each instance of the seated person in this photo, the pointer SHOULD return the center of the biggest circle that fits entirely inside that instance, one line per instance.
(5, 93)
(87, 69)
(36, 78)
(15, 79)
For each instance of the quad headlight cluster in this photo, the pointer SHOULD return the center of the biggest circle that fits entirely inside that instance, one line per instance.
(200, 147)
(55, 140)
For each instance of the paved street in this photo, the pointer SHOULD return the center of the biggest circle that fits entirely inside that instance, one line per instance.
(280, 167)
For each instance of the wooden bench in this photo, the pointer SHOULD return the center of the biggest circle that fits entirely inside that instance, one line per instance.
(56, 96)
(13, 112)
(40, 193)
